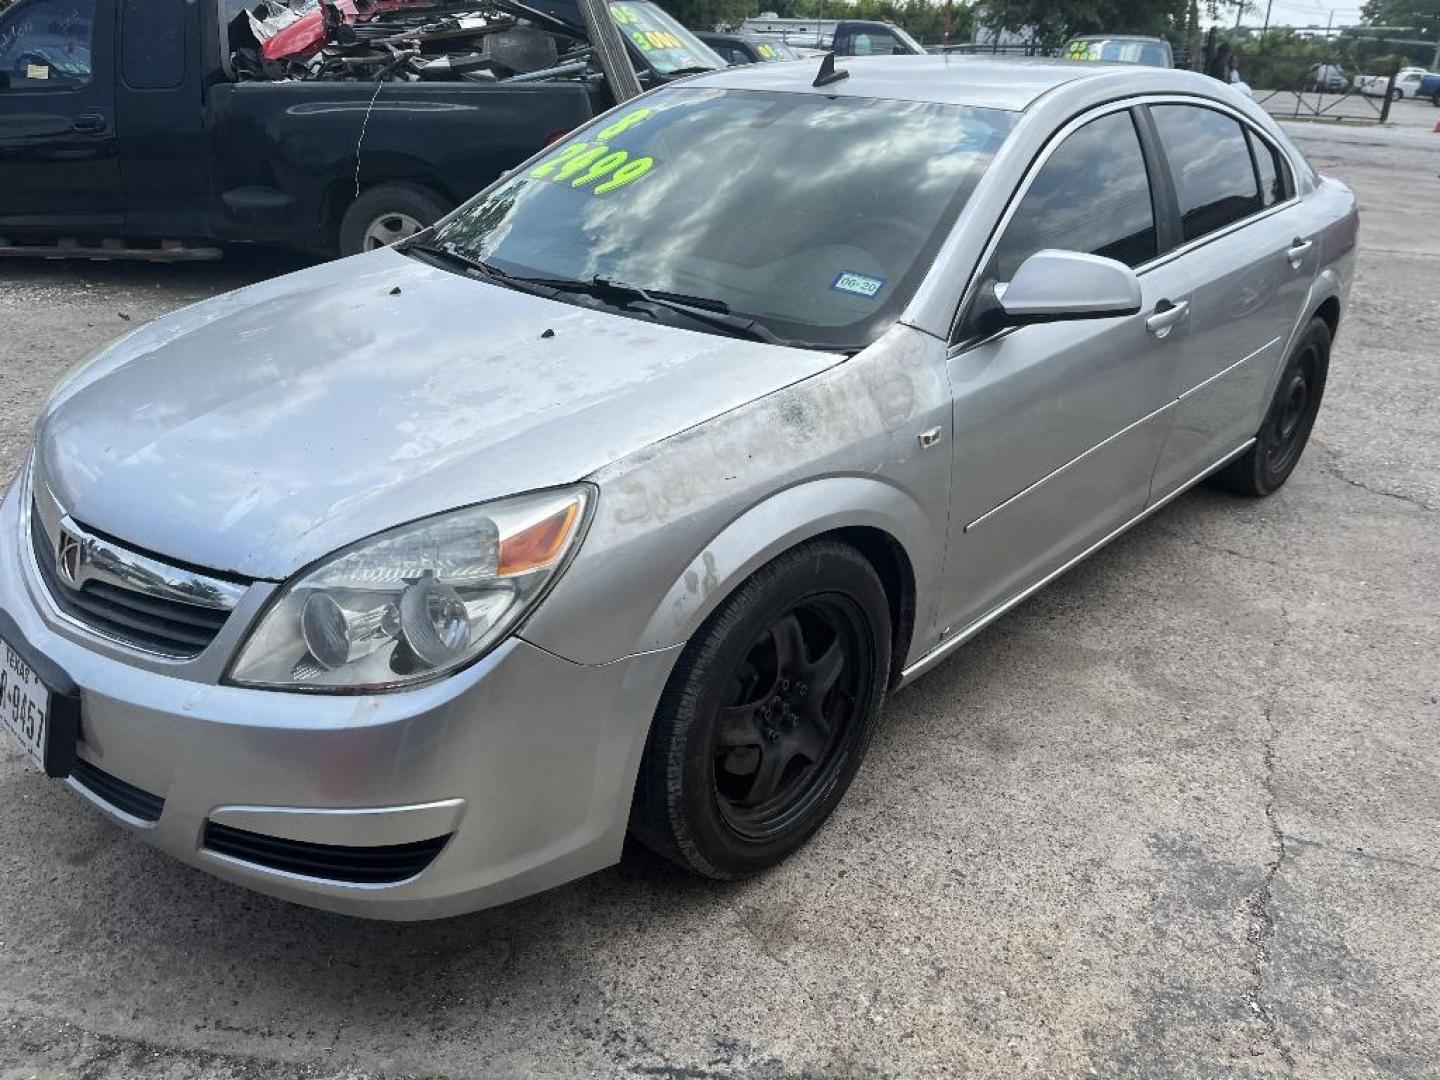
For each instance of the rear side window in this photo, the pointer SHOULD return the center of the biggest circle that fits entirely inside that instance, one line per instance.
(152, 50)
(1275, 183)
(1092, 196)
(1214, 176)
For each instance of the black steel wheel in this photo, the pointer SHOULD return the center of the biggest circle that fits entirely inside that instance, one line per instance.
(767, 715)
(1265, 467)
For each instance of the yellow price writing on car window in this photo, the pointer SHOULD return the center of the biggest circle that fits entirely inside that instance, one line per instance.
(624, 124)
(581, 164)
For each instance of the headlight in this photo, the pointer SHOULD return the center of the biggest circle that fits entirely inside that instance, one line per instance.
(416, 602)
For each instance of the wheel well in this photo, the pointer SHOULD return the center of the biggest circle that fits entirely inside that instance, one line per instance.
(892, 564)
(1330, 312)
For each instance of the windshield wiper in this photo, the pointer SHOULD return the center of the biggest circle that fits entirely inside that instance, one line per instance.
(471, 265)
(701, 309)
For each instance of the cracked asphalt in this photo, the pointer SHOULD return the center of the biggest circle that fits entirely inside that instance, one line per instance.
(1177, 816)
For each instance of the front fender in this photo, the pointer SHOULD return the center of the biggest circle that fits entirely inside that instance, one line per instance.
(782, 522)
(680, 524)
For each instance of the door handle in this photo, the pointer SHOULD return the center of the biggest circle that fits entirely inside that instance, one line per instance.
(1166, 316)
(1297, 251)
(90, 123)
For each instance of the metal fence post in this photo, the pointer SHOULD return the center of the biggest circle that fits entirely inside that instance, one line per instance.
(1389, 93)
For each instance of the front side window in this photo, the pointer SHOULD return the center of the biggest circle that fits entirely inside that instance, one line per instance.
(816, 217)
(1091, 196)
(45, 43)
(1210, 160)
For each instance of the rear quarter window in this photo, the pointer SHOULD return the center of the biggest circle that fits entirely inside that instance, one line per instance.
(152, 44)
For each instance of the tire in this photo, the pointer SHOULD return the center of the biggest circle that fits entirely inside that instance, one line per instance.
(1435, 99)
(386, 214)
(1264, 468)
(761, 728)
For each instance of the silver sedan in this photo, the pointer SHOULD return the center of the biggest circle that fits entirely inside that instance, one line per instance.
(619, 500)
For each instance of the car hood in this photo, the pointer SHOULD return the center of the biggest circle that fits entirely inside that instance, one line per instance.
(262, 430)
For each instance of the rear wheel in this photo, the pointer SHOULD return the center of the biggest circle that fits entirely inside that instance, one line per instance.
(1265, 467)
(767, 715)
(386, 215)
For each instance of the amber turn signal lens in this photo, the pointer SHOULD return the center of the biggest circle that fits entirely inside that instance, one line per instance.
(539, 545)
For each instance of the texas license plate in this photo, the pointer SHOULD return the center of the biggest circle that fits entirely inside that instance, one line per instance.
(24, 703)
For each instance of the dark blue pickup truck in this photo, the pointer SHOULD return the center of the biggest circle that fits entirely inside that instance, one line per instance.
(130, 128)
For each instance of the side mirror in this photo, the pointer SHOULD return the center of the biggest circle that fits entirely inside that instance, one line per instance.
(1056, 286)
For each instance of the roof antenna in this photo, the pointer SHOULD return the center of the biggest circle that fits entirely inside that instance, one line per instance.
(827, 73)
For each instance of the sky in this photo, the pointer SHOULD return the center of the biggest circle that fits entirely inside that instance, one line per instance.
(1302, 13)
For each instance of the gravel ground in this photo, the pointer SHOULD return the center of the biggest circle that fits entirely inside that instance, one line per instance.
(1177, 816)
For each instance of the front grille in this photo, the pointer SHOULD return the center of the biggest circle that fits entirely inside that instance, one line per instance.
(153, 623)
(111, 789)
(331, 862)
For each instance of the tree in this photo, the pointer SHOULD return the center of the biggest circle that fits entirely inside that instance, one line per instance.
(1055, 20)
(1422, 15)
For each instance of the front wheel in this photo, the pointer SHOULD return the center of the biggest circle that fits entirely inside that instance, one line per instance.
(767, 715)
(1265, 467)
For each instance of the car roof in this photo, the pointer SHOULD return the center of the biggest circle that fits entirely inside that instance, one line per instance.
(986, 82)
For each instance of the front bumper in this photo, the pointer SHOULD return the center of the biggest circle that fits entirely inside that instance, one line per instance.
(525, 762)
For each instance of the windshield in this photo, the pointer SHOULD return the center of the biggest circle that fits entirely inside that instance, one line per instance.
(816, 217)
(666, 45)
(1120, 50)
(770, 51)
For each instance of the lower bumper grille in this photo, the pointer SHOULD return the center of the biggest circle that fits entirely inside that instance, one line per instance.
(111, 789)
(331, 862)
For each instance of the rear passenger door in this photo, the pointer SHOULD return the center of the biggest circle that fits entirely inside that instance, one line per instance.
(1058, 426)
(1244, 244)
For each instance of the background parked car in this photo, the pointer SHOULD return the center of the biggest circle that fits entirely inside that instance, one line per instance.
(1149, 51)
(846, 37)
(1407, 83)
(1327, 79)
(737, 49)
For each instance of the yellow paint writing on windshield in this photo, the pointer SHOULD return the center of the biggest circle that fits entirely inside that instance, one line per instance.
(582, 164)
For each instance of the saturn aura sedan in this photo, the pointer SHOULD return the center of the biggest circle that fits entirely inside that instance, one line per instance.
(619, 500)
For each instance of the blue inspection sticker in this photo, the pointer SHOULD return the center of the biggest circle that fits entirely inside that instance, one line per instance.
(858, 284)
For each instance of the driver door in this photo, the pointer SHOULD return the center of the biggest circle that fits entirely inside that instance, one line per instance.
(1058, 426)
(59, 159)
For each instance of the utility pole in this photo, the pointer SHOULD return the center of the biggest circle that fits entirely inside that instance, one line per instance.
(1268, 5)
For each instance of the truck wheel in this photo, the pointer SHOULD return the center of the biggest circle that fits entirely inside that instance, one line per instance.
(387, 214)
